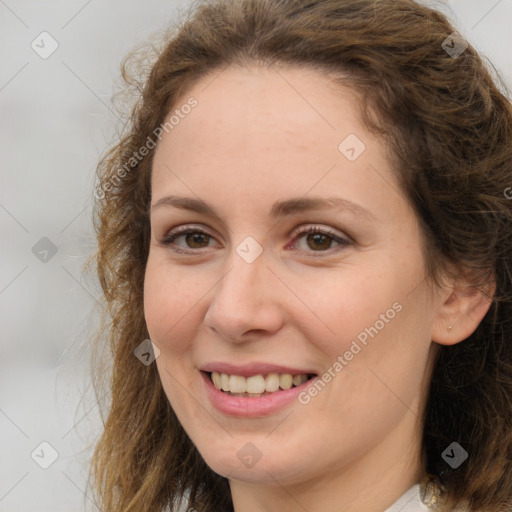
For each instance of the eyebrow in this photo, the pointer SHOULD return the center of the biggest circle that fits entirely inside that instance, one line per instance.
(279, 209)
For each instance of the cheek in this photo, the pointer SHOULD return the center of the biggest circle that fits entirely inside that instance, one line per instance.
(340, 306)
(168, 311)
(369, 317)
(168, 303)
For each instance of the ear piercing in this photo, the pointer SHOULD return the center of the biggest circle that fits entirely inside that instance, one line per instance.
(450, 327)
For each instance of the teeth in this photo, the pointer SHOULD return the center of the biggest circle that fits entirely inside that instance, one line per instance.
(272, 382)
(256, 385)
(237, 384)
(285, 381)
(299, 379)
(216, 380)
(224, 382)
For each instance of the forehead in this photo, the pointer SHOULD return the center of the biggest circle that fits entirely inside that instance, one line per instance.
(276, 102)
(269, 132)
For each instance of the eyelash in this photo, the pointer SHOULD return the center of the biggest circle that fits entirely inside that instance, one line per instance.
(344, 242)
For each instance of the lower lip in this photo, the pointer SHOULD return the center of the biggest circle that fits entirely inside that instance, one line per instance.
(251, 407)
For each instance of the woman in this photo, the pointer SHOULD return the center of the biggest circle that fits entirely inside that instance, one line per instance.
(308, 217)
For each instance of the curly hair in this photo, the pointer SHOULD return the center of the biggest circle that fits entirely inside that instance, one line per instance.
(447, 123)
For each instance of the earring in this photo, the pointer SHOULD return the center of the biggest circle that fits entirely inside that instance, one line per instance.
(450, 327)
(431, 490)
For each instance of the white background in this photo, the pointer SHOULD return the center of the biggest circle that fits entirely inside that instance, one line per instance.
(55, 123)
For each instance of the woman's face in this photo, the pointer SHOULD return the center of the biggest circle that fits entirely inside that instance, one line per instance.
(250, 290)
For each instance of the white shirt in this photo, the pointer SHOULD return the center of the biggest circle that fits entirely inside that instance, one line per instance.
(410, 501)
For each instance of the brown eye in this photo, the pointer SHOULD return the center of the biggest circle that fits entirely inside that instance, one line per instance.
(319, 241)
(197, 240)
(190, 240)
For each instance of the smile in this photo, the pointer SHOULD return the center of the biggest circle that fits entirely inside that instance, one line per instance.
(256, 401)
(256, 386)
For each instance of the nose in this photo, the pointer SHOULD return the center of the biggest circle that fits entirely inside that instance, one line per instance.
(246, 302)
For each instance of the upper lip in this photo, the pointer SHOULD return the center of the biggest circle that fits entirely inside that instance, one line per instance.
(249, 369)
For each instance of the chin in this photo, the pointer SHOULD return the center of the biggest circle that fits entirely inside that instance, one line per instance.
(258, 461)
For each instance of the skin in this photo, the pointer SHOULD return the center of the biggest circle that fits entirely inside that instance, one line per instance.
(253, 139)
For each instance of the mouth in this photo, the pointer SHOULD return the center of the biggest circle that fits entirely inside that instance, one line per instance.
(259, 385)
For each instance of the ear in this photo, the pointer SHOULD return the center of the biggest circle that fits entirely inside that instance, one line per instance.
(462, 308)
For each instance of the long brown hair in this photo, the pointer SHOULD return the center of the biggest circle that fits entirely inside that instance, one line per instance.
(448, 125)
